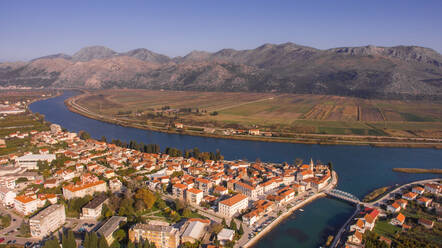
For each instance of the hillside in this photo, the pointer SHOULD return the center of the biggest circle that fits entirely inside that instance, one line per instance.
(369, 71)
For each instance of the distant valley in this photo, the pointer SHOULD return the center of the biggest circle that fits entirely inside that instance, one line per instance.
(401, 72)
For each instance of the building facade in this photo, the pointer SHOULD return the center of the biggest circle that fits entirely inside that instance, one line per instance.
(47, 221)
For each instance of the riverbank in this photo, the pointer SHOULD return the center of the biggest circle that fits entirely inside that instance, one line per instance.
(418, 170)
(312, 139)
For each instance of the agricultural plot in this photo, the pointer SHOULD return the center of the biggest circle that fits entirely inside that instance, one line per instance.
(273, 112)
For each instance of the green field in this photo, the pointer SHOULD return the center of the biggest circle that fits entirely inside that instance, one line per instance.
(318, 114)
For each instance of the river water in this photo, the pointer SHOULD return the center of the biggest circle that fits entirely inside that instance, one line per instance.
(360, 168)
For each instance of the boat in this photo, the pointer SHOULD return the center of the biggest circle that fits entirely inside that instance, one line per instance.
(302, 210)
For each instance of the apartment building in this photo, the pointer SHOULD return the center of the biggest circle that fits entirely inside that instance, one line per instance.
(47, 221)
(160, 233)
(7, 196)
(233, 205)
(194, 196)
(26, 204)
(81, 190)
(93, 209)
(248, 190)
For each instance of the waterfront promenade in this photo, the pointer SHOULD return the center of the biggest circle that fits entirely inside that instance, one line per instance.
(245, 242)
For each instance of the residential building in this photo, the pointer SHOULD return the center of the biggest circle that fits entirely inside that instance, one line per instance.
(161, 234)
(30, 161)
(179, 190)
(7, 196)
(107, 230)
(426, 223)
(418, 190)
(81, 190)
(194, 196)
(47, 221)
(424, 201)
(248, 190)
(93, 209)
(433, 188)
(233, 205)
(398, 220)
(225, 235)
(25, 204)
(409, 196)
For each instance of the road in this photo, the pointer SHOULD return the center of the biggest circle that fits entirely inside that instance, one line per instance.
(14, 224)
(386, 196)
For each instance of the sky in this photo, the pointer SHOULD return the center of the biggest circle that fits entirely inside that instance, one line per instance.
(30, 29)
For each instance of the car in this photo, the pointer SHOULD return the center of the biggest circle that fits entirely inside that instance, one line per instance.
(13, 219)
(2, 240)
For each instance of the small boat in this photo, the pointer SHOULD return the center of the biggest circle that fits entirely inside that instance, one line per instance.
(302, 210)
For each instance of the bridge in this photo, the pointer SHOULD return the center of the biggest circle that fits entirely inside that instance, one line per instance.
(343, 196)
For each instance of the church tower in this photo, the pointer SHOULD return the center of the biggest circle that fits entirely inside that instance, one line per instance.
(311, 164)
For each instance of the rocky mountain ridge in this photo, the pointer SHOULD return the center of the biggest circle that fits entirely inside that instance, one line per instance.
(368, 71)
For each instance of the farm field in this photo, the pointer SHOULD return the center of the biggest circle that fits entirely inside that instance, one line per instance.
(298, 113)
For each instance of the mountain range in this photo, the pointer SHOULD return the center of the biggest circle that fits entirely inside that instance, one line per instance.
(368, 71)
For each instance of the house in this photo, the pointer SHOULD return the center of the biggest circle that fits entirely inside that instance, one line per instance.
(355, 238)
(398, 220)
(403, 203)
(220, 190)
(409, 196)
(248, 190)
(426, 223)
(433, 188)
(358, 226)
(179, 125)
(424, 201)
(418, 190)
(225, 235)
(233, 205)
(254, 131)
(394, 208)
(194, 196)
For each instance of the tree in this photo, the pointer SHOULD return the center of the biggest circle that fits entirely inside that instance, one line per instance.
(330, 166)
(241, 230)
(84, 135)
(119, 235)
(86, 241)
(102, 243)
(68, 240)
(147, 196)
(224, 222)
(52, 243)
(187, 213)
(93, 241)
(233, 225)
(103, 139)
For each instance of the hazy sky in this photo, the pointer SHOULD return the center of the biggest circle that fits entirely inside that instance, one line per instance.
(29, 29)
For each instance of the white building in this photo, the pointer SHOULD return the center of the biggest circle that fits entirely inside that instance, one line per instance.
(25, 204)
(30, 161)
(194, 196)
(7, 196)
(233, 205)
(225, 235)
(47, 221)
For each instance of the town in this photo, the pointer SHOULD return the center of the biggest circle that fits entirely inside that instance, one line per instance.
(68, 187)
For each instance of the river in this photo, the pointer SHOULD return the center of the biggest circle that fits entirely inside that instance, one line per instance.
(360, 168)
